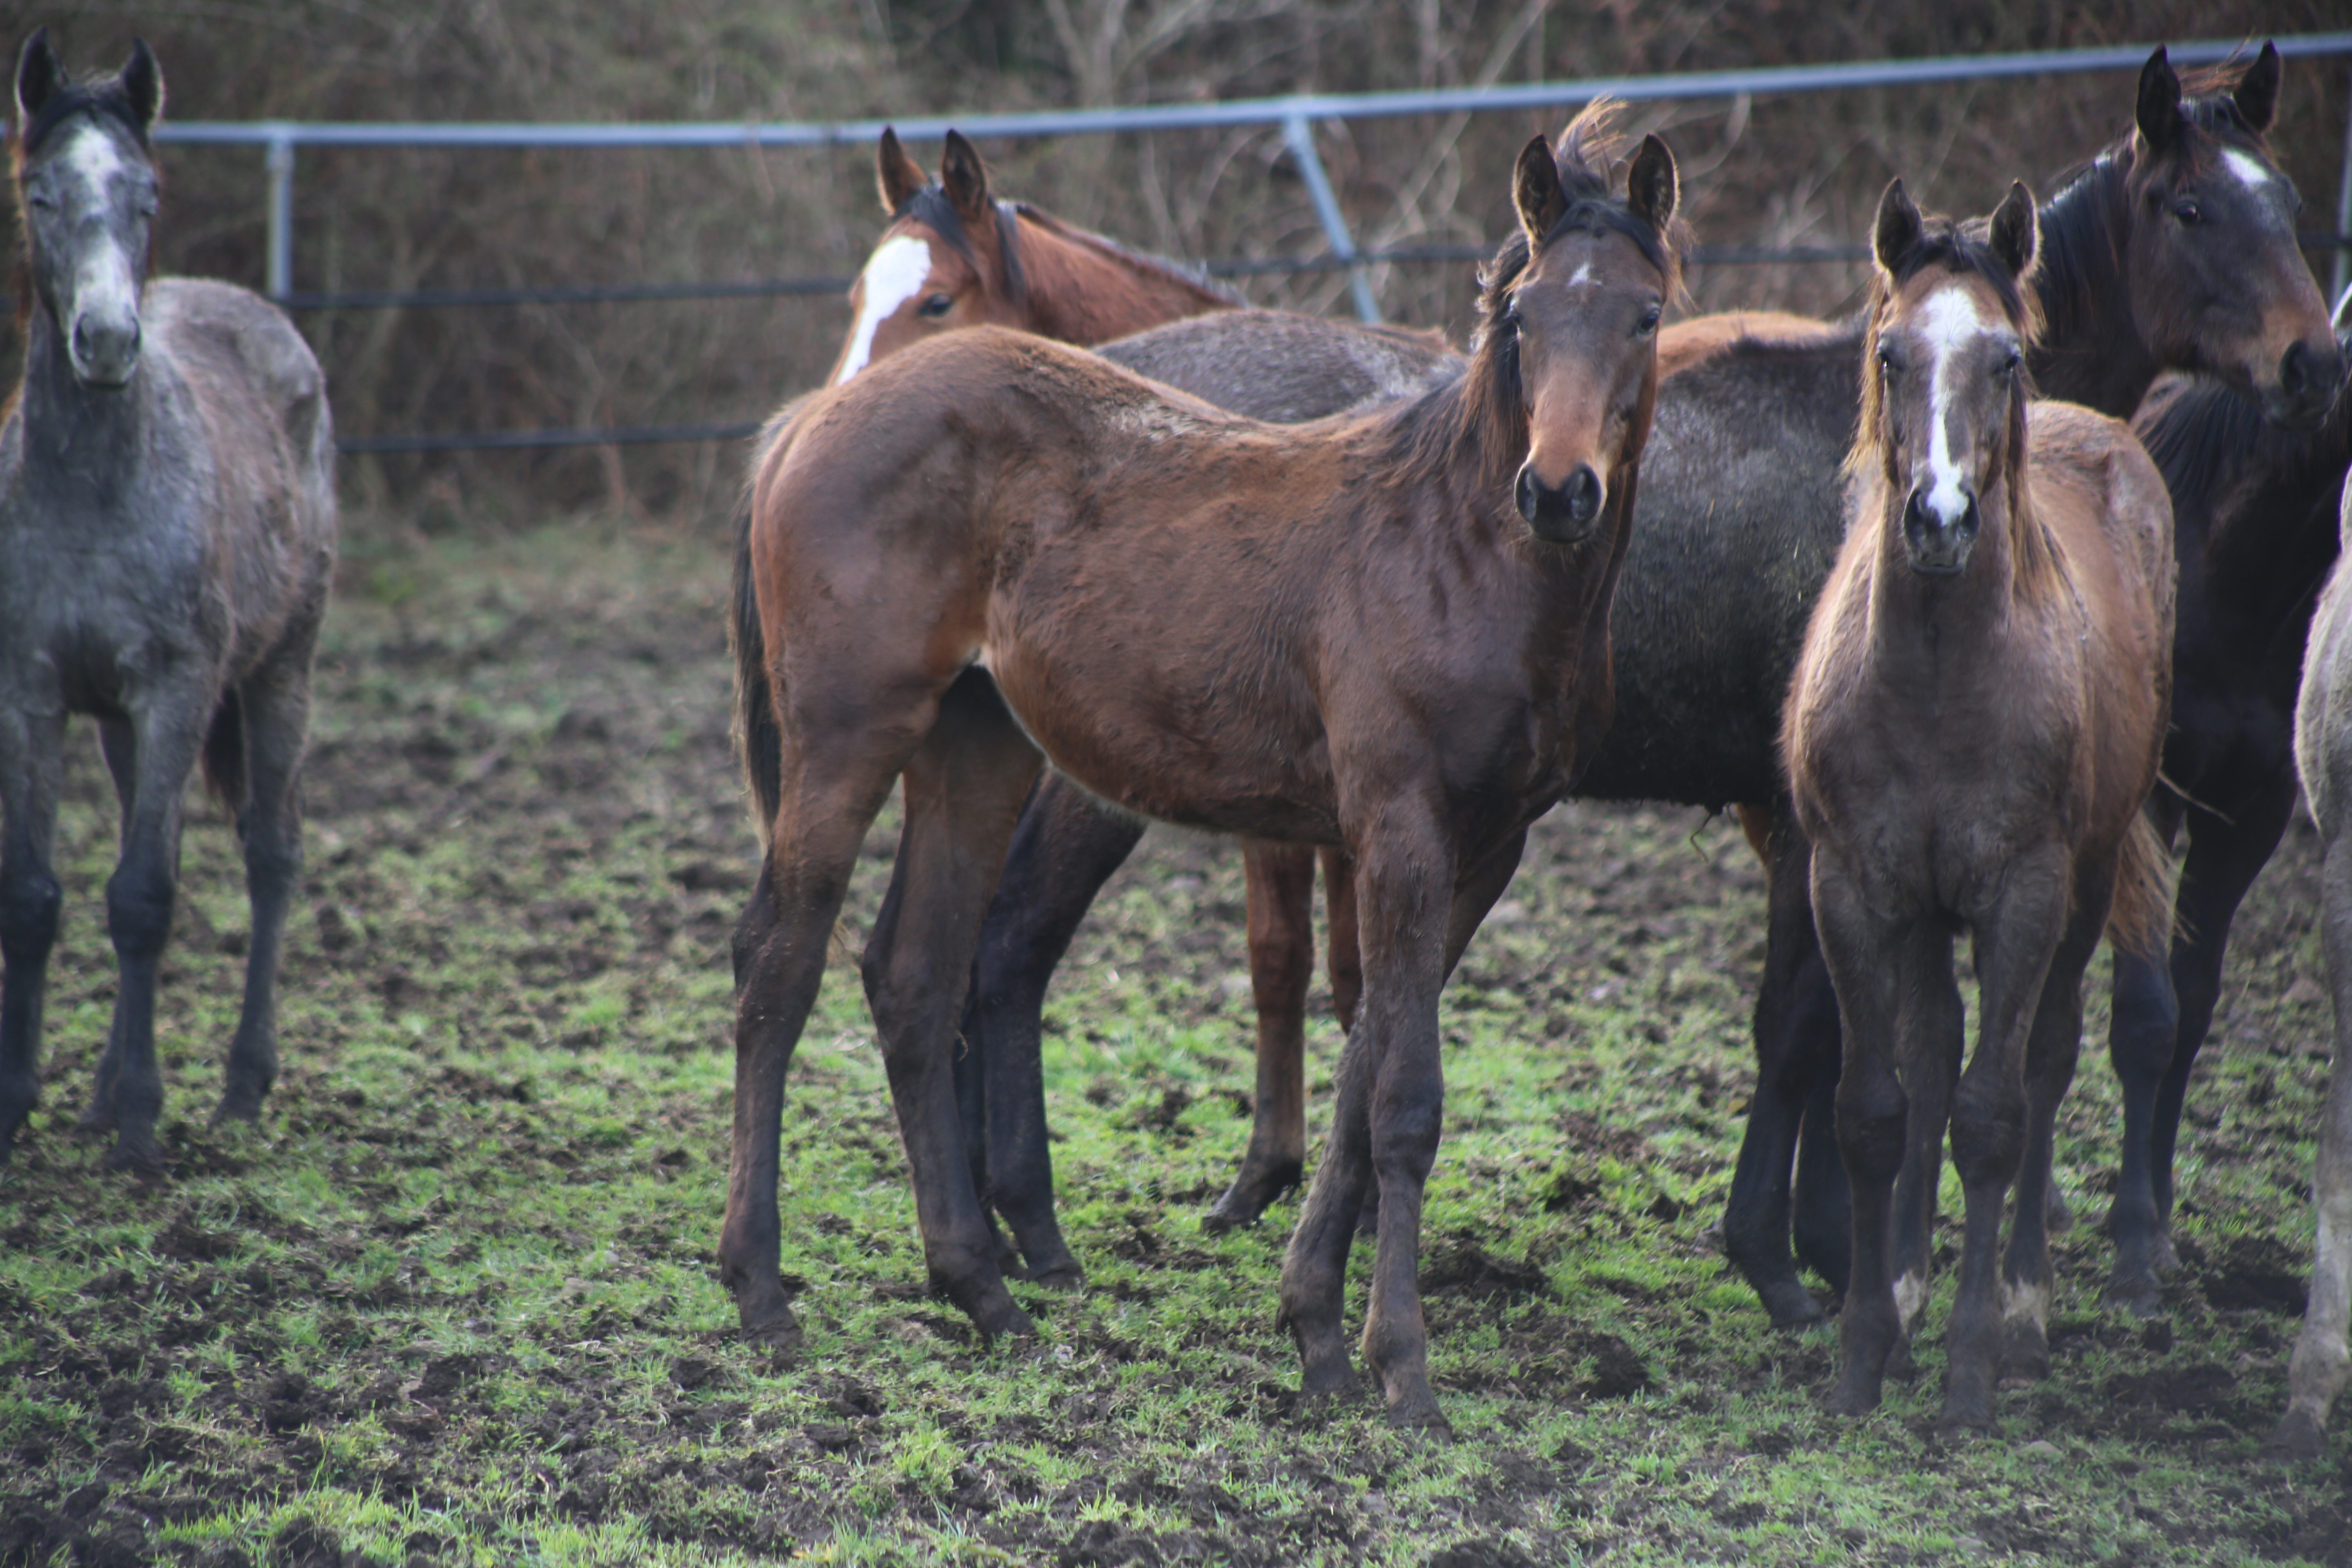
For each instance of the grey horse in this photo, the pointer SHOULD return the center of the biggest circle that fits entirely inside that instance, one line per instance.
(2323, 755)
(167, 535)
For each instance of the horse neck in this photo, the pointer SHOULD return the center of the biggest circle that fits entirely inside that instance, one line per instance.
(1089, 294)
(75, 439)
(2090, 351)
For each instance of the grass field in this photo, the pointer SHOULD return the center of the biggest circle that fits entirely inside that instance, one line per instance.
(454, 1301)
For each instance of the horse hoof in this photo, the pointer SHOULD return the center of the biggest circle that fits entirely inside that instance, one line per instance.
(238, 1107)
(1323, 1378)
(1253, 1193)
(2167, 1259)
(1062, 1275)
(2296, 1438)
(777, 1331)
(1790, 1305)
(1007, 1322)
(1417, 1413)
(1901, 1364)
(98, 1122)
(1853, 1397)
(137, 1157)
(2135, 1294)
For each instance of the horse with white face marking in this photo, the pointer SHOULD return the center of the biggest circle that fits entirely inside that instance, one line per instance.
(167, 533)
(1974, 723)
(954, 255)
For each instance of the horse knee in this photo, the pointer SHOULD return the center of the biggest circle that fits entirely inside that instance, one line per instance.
(29, 907)
(139, 910)
(1869, 1130)
(1987, 1133)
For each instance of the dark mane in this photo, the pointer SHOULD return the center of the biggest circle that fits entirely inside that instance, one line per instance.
(2207, 438)
(1482, 407)
(931, 207)
(2080, 222)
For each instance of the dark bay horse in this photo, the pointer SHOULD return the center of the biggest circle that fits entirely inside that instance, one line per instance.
(167, 534)
(1235, 626)
(1974, 724)
(2323, 723)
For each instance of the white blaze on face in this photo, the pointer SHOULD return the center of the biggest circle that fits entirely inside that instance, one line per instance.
(894, 274)
(2247, 167)
(1949, 322)
(1583, 275)
(105, 282)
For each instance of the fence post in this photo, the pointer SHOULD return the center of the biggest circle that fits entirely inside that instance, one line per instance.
(2342, 272)
(278, 161)
(1298, 132)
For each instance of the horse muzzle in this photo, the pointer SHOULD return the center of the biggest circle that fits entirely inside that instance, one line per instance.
(1566, 513)
(1938, 546)
(2308, 378)
(104, 349)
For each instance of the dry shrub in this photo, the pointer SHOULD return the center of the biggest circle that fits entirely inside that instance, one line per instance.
(1802, 170)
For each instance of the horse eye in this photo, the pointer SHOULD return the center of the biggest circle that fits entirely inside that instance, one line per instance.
(937, 305)
(41, 199)
(2187, 210)
(1886, 359)
(1649, 323)
(2008, 365)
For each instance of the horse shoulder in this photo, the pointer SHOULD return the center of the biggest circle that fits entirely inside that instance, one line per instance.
(2323, 712)
(2088, 468)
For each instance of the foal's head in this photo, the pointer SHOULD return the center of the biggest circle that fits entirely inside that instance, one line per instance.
(2218, 282)
(1572, 309)
(86, 188)
(1944, 385)
(948, 259)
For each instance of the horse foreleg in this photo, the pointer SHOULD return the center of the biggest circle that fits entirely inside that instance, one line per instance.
(118, 743)
(1281, 882)
(168, 728)
(2322, 1363)
(2051, 1050)
(2016, 942)
(964, 790)
(275, 707)
(1796, 1057)
(1407, 1119)
(1065, 847)
(1868, 962)
(1934, 1035)
(30, 764)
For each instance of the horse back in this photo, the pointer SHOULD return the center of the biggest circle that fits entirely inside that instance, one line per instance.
(257, 405)
(1285, 368)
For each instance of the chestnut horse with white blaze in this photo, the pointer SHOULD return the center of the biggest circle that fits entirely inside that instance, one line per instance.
(1973, 727)
(1387, 632)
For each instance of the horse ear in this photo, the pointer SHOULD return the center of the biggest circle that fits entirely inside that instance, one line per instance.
(2159, 115)
(965, 177)
(2015, 230)
(897, 176)
(1898, 225)
(2256, 94)
(40, 75)
(143, 83)
(1536, 191)
(1652, 185)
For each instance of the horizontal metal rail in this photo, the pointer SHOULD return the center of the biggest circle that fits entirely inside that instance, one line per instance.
(1240, 112)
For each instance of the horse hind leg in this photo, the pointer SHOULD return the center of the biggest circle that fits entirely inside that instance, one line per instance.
(835, 780)
(255, 757)
(30, 766)
(964, 789)
(2322, 1363)
(1281, 881)
(2051, 1053)
(1065, 847)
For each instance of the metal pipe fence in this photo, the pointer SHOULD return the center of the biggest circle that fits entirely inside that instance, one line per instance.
(1295, 117)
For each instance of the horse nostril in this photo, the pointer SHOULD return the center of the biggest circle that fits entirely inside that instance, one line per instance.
(1530, 502)
(1583, 493)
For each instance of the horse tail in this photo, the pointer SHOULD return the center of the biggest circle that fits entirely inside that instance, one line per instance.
(2140, 920)
(757, 737)
(224, 753)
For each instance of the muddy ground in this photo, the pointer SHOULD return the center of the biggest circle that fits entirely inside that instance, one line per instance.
(453, 1300)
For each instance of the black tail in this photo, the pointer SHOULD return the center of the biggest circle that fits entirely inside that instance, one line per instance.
(224, 758)
(758, 739)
